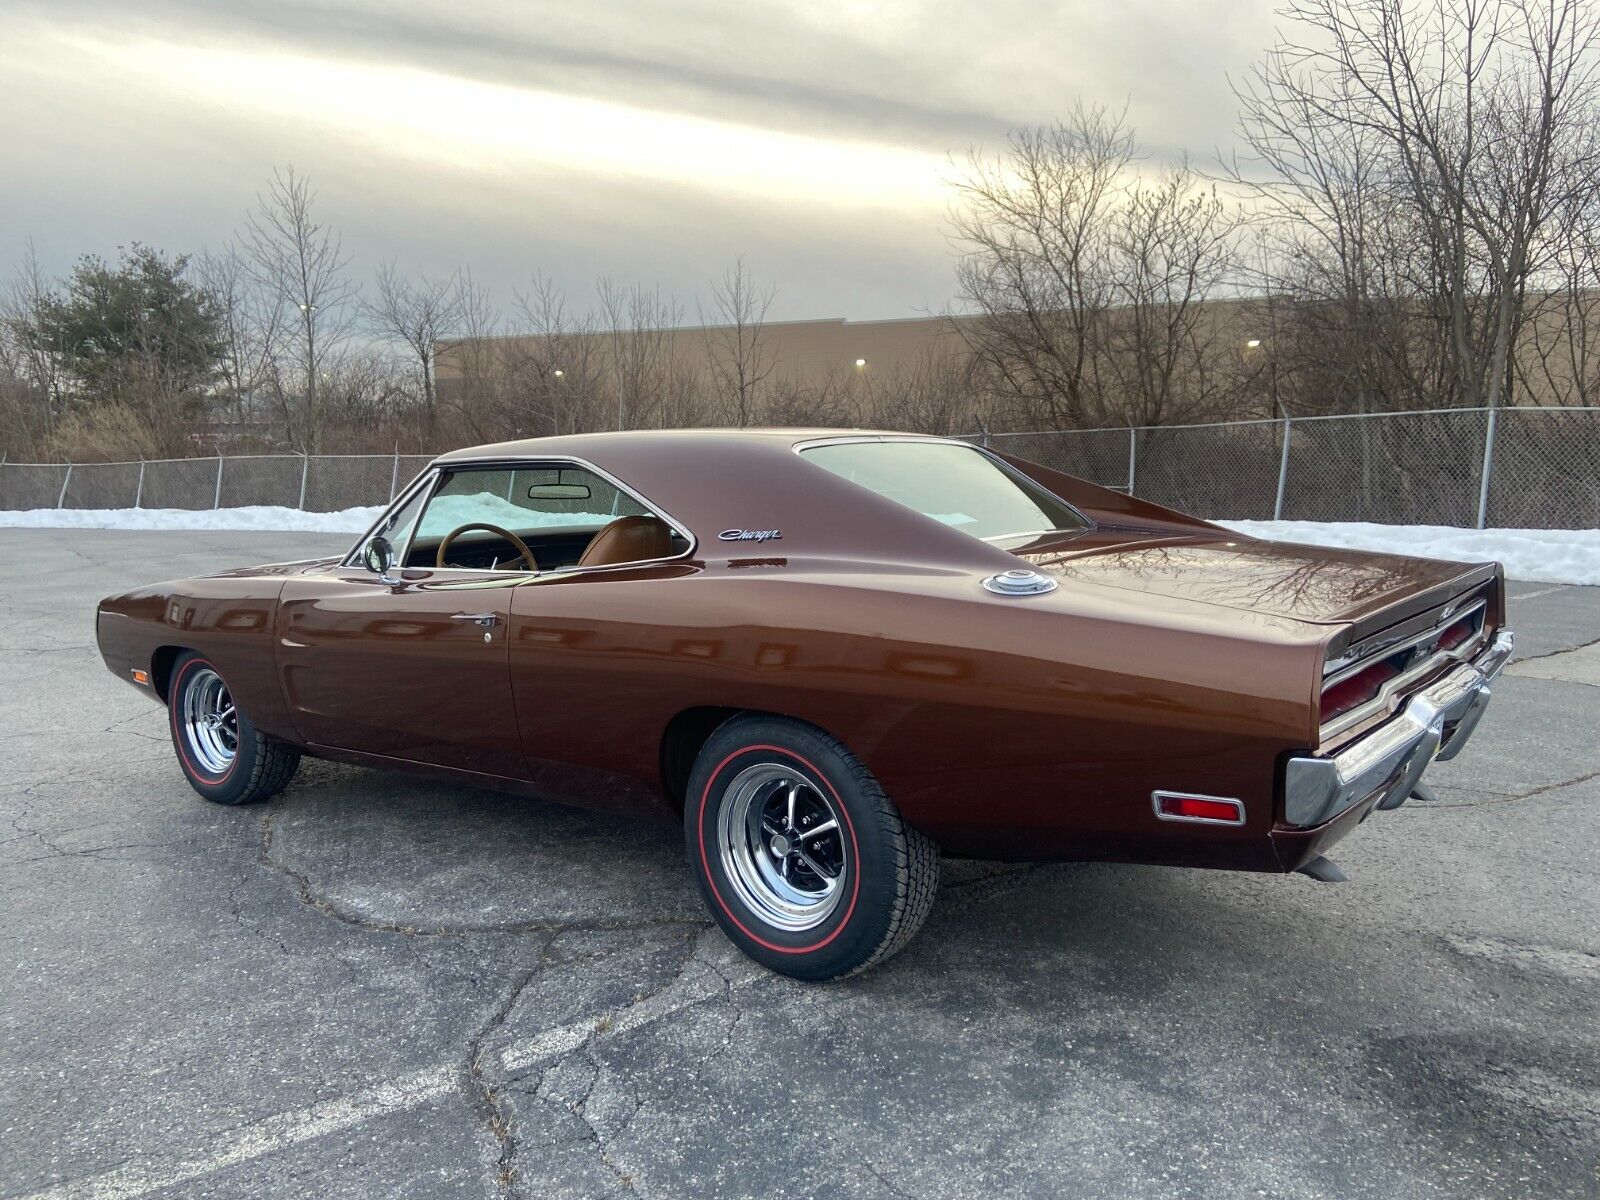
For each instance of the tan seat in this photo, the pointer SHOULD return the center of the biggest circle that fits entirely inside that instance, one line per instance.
(628, 539)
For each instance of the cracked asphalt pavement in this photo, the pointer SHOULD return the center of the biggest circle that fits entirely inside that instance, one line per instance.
(377, 986)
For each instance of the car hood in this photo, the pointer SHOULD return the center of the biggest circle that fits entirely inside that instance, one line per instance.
(305, 566)
(1304, 583)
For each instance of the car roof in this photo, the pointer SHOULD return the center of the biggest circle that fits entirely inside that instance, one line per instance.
(717, 482)
(597, 445)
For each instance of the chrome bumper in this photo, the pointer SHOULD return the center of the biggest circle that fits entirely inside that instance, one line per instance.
(1392, 758)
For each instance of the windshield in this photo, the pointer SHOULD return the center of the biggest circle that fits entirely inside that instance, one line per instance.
(956, 485)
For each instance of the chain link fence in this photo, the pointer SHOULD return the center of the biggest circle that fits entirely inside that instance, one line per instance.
(1528, 468)
(315, 483)
(1514, 467)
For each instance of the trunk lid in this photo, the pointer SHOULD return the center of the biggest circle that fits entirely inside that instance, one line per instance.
(1303, 583)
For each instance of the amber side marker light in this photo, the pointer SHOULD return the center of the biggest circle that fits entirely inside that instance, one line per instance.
(1202, 810)
(141, 677)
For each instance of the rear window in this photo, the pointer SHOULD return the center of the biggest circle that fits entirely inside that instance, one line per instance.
(958, 486)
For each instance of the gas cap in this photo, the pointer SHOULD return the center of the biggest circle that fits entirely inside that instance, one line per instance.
(1021, 582)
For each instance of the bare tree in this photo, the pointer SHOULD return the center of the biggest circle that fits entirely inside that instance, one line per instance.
(1175, 246)
(559, 369)
(250, 325)
(1324, 205)
(419, 312)
(934, 393)
(641, 328)
(365, 396)
(302, 261)
(830, 401)
(30, 356)
(736, 352)
(1090, 284)
(474, 380)
(1468, 125)
(1563, 353)
(1035, 260)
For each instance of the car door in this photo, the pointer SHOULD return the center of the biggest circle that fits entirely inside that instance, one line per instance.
(416, 670)
(412, 666)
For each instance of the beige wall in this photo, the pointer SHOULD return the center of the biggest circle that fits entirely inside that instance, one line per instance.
(813, 354)
(802, 352)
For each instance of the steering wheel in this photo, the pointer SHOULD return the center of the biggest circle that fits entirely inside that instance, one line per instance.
(523, 552)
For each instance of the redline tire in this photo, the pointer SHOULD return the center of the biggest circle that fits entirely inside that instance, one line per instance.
(803, 861)
(221, 753)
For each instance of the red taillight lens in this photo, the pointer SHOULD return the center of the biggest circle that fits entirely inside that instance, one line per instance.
(1456, 634)
(1178, 807)
(1357, 690)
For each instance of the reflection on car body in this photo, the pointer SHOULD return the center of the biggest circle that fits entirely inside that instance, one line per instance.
(576, 617)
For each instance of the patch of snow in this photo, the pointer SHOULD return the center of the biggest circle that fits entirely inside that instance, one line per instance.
(451, 512)
(1533, 555)
(258, 517)
(455, 511)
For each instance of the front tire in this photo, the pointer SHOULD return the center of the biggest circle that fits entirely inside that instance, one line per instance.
(222, 754)
(804, 862)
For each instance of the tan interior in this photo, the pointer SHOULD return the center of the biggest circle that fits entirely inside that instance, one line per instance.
(629, 539)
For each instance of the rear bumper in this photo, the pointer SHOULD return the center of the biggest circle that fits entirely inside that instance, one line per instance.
(1389, 762)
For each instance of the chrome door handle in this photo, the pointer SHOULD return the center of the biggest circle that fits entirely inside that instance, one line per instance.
(487, 620)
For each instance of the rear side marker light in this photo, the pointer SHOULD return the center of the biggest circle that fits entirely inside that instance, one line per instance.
(1200, 810)
(141, 677)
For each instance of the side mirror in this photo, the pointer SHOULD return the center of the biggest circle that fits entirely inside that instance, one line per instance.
(379, 558)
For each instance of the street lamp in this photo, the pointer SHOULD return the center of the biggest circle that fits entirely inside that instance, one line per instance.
(860, 363)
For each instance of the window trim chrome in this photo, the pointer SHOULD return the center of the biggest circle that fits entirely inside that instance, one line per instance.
(434, 472)
(1089, 524)
(423, 478)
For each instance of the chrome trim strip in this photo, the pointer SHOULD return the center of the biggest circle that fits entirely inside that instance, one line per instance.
(1382, 652)
(402, 497)
(1155, 803)
(1032, 533)
(1389, 762)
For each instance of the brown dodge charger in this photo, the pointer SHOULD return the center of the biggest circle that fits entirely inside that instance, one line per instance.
(834, 656)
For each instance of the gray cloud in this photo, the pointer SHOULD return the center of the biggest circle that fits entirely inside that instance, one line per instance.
(934, 76)
(775, 73)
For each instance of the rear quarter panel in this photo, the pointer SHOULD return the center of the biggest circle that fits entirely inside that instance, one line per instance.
(1008, 728)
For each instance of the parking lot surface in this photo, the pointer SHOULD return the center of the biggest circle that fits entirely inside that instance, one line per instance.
(376, 986)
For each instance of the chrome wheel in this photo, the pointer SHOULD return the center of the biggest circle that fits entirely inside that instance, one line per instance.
(209, 721)
(782, 846)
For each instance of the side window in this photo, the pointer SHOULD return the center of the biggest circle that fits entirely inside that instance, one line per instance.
(398, 524)
(526, 501)
(555, 511)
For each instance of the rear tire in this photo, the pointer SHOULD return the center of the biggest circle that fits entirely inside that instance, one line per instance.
(222, 754)
(803, 861)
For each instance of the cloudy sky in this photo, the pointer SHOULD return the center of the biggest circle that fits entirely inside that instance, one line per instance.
(650, 140)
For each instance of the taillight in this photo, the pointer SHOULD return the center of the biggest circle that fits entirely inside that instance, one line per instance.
(1356, 690)
(1456, 634)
